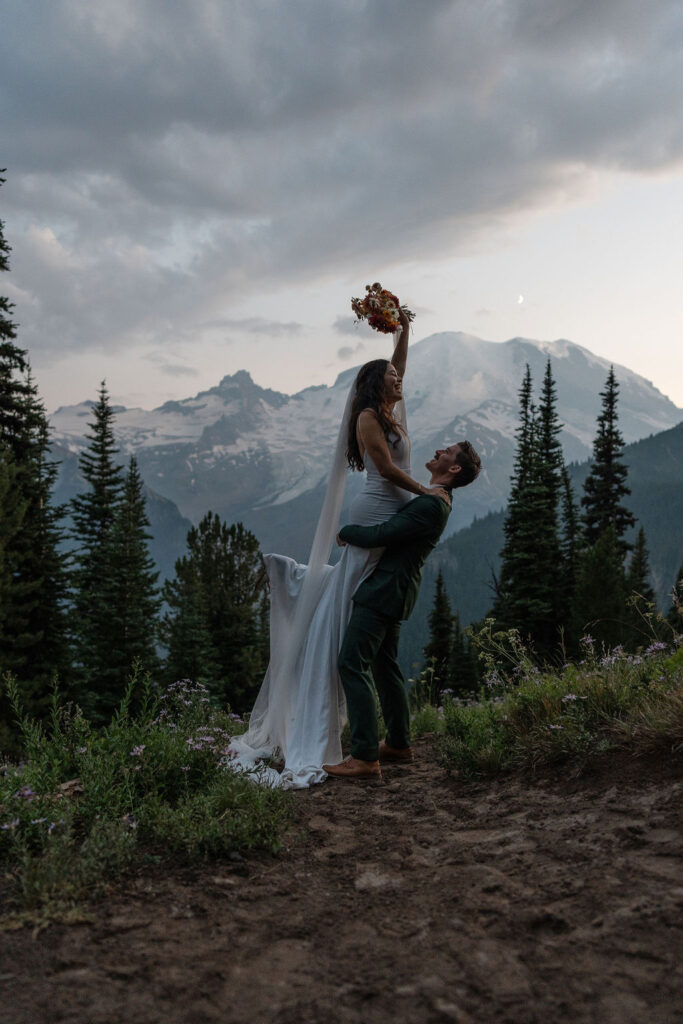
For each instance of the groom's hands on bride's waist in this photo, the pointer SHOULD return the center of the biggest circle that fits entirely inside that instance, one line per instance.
(406, 529)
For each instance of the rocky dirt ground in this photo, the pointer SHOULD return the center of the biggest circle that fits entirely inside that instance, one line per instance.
(420, 899)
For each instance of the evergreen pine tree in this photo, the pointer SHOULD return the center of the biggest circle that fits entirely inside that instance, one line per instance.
(601, 590)
(12, 511)
(14, 395)
(190, 652)
(640, 596)
(519, 547)
(13, 366)
(131, 594)
(35, 645)
(214, 628)
(605, 485)
(638, 576)
(531, 565)
(548, 568)
(94, 513)
(438, 650)
(43, 564)
(603, 586)
(570, 546)
(463, 676)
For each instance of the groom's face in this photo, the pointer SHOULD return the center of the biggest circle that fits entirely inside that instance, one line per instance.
(444, 461)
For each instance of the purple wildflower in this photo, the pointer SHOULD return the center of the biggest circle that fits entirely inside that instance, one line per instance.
(25, 793)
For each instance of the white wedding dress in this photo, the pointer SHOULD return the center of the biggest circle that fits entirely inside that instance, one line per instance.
(300, 710)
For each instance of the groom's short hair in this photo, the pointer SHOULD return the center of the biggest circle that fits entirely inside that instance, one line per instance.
(469, 462)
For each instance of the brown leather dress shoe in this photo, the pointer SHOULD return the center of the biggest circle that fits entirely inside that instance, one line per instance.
(353, 768)
(395, 754)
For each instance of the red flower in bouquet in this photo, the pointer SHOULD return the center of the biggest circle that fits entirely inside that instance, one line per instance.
(380, 308)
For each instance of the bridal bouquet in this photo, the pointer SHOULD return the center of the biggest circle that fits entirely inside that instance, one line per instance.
(380, 308)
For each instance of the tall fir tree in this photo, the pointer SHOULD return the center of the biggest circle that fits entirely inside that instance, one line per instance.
(603, 587)
(601, 590)
(638, 577)
(531, 561)
(605, 486)
(513, 595)
(640, 596)
(439, 648)
(131, 593)
(549, 563)
(214, 627)
(463, 676)
(14, 391)
(12, 511)
(570, 547)
(14, 439)
(190, 652)
(35, 643)
(94, 512)
(44, 563)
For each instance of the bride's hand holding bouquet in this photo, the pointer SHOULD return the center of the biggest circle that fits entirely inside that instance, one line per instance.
(382, 310)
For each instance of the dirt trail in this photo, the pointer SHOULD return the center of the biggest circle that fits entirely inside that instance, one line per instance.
(417, 900)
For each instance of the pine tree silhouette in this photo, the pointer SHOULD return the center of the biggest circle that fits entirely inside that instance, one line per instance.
(438, 649)
(605, 485)
(94, 512)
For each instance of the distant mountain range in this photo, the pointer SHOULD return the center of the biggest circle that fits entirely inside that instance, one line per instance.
(255, 455)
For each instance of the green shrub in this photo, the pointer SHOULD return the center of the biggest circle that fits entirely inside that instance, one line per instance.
(527, 717)
(426, 720)
(87, 803)
(474, 738)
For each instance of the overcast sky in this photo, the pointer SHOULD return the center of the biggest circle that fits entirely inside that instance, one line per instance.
(199, 187)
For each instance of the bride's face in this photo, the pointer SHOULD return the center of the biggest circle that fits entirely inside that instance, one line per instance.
(392, 385)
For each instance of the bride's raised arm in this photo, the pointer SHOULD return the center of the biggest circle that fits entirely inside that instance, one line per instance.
(375, 443)
(400, 356)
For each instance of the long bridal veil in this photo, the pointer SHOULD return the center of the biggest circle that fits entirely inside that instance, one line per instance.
(272, 707)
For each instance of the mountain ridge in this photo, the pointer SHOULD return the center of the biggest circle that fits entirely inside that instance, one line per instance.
(260, 456)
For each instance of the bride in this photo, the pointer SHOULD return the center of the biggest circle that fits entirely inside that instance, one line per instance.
(299, 712)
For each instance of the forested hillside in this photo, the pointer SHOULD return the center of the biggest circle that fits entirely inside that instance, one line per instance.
(469, 559)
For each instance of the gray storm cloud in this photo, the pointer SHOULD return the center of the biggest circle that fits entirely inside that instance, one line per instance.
(164, 158)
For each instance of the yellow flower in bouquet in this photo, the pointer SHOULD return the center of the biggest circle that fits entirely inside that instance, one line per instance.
(380, 308)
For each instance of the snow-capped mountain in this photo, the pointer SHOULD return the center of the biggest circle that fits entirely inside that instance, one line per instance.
(254, 454)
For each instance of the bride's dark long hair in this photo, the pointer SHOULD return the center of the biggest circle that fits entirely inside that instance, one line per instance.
(369, 394)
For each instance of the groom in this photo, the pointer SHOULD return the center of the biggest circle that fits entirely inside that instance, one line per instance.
(370, 646)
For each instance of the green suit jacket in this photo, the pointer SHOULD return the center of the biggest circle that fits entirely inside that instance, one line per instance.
(408, 537)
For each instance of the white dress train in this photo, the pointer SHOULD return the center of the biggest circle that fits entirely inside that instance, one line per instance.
(300, 713)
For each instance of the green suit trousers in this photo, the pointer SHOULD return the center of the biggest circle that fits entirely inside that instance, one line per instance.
(369, 655)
